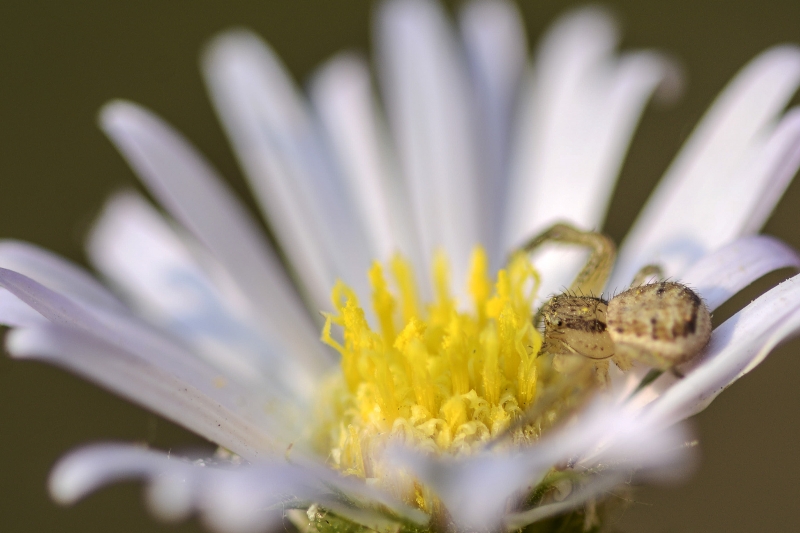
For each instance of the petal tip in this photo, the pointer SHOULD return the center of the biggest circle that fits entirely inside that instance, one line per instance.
(116, 111)
(67, 482)
(230, 44)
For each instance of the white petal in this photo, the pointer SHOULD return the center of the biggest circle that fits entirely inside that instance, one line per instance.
(495, 44)
(279, 148)
(239, 502)
(599, 484)
(720, 275)
(779, 159)
(16, 313)
(170, 496)
(138, 251)
(86, 470)
(193, 192)
(124, 332)
(342, 96)
(229, 498)
(208, 412)
(735, 348)
(716, 277)
(57, 273)
(429, 106)
(476, 489)
(166, 355)
(734, 164)
(580, 112)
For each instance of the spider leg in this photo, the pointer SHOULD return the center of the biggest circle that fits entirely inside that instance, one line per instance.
(602, 253)
(573, 363)
(677, 373)
(646, 273)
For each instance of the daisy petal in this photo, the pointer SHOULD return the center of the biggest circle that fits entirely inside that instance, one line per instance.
(208, 412)
(342, 96)
(86, 470)
(716, 277)
(721, 274)
(229, 497)
(779, 159)
(16, 313)
(736, 347)
(579, 115)
(193, 192)
(495, 44)
(155, 348)
(598, 484)
(138, 251)
(57, 274)
(124, 332)
(732, 165)
(279, 147)
(251, 498)
(429, 106)
(476, 490)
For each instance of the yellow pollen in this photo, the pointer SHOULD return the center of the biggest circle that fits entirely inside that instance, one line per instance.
(436, 377)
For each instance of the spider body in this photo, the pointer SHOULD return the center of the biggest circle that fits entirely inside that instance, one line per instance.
(661, 324)
(577, 325)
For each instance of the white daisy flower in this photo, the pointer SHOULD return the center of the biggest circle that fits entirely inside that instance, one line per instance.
(437, 412)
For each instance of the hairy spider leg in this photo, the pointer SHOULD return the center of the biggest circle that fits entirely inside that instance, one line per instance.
(602, 253)
(646, 273)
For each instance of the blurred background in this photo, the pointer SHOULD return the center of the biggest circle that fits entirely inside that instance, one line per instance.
(61, 60)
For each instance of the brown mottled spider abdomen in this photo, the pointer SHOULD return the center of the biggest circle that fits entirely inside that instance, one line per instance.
(662, 324)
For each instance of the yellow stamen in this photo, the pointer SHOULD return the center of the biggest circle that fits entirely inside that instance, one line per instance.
(436, 378)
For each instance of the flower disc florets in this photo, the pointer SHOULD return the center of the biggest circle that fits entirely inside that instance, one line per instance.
(436, 377)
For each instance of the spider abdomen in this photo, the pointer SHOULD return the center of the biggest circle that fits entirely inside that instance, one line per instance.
(662, 324)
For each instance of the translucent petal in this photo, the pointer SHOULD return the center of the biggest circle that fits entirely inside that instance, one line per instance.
(721, 274)
(16, 313)
(125, 332)
(157, 349)
(735, 348)
(579, 113)
(496, 49)
(288, 169)
(731, 170)
(228, 497)
(57, 273)
(716, 277)
(476, 490)
(599, 484)
(84, 471)
(193, 192)
(139, 252)
(342, 96)
(430, 111)
(779, 159)
(212, 413)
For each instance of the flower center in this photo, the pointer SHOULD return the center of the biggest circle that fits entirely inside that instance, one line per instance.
(435, 377)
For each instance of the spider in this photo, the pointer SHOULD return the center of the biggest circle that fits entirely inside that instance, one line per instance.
(661, 324)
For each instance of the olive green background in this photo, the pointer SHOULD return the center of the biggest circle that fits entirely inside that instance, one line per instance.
(60, 60)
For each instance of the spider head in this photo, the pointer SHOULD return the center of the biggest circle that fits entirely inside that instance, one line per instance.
(576, 325)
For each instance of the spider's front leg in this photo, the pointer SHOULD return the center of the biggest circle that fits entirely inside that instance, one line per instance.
(602, 253)
(575, 323)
